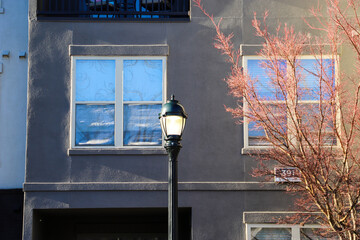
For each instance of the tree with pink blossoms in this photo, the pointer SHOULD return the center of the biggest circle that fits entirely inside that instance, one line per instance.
(319, 138)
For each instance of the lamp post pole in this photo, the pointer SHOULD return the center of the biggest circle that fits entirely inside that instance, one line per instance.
(172, 120)
(173, 149)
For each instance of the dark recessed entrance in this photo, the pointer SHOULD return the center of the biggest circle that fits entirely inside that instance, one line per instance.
(108, 224)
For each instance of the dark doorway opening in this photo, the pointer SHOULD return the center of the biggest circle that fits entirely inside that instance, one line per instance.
(11, 211)
(108, 224)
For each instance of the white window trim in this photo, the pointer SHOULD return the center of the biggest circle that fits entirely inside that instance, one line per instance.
(118, 138)
(295, 229)
(247, 148)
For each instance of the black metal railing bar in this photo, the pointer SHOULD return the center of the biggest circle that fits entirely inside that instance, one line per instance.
(114, 9)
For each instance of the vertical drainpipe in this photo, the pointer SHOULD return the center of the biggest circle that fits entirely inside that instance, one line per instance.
(1, 11)
(1, 8)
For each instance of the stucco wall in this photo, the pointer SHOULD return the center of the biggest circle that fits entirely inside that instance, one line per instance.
(214, 175)
(212, 140)
(13, 82)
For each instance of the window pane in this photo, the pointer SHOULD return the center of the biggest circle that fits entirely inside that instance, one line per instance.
(264, 84)
(270, 233)
(312, 123)
(143, 80)
(95, 80)
(310, 72)
(275, 116)
(94, 125)
(315, 234)
(257, 136)
(142, 125)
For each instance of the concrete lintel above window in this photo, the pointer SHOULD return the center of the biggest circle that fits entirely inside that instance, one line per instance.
(250, 49)
(254, 49)
(267, 217)
(119, 50)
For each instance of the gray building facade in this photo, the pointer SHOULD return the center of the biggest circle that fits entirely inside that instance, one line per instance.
(80, 184)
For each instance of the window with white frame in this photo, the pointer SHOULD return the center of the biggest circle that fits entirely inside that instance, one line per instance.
(116, 101)
(273, 100)
(287, 232)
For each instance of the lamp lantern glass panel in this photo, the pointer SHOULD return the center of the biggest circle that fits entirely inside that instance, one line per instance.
(173, 125)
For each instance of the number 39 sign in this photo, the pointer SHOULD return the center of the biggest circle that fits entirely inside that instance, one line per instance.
(287, 174)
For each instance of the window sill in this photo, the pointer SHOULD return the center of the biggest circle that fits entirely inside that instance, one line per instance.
(116, 151)
(255, 150)
(265, 149)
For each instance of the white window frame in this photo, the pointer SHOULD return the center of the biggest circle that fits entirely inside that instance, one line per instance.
(246, 121)
(119, 103)
(295, 229)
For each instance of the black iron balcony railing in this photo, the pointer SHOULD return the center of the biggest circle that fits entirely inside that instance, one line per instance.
(114, 9)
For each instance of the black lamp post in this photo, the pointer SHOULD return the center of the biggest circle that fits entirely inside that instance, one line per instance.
(172, 120)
